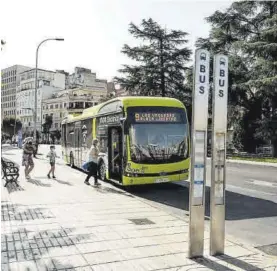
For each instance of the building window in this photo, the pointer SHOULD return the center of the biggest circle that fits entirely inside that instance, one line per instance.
(56, 125)
(56, 106)
(51, 106)
(64, 105)
(61, 114)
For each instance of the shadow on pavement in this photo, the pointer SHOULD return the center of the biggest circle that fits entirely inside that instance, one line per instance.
(104, 189)
(63, 182)
(38, 183)
(55, 180)
(41, 247)
(238, 262)
(11, 187)
(238, 206)
(20, 212)
(212, 265)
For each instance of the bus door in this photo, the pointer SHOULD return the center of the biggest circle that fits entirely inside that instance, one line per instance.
(77, 146)
(115, 153)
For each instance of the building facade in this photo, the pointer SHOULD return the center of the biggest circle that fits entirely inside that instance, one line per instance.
(49, 82)
(84, 78)
(10, 81)
(69, 101)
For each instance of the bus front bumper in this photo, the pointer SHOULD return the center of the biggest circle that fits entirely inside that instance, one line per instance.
(127, 181)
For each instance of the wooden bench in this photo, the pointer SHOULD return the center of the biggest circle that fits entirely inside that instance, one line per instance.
(10, 172)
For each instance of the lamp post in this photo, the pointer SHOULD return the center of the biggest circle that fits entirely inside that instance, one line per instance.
(36, 81)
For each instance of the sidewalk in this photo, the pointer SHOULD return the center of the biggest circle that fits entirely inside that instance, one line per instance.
(65, 225)
(252, 163)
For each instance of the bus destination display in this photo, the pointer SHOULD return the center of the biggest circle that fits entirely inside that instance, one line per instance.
(157, 117)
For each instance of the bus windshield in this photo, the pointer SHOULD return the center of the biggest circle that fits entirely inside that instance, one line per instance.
(159, 136)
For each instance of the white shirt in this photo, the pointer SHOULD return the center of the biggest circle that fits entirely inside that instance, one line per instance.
(93, 154)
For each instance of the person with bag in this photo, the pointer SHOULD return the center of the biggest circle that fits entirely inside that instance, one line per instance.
(92, 164)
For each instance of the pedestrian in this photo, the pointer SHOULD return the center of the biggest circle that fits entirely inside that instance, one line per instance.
(52, 159)
(35, 148)
(92, 159)
(27, 159)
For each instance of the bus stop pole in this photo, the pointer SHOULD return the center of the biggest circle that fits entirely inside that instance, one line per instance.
(218, 169)
(198, 153)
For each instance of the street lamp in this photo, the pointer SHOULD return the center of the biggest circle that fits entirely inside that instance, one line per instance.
(36, 79)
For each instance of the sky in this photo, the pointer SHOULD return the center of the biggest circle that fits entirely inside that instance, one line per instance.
(94, 31)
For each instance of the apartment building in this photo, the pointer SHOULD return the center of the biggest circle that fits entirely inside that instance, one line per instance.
(10, 81)
(49, 82)
(70, 101)
(84, 78)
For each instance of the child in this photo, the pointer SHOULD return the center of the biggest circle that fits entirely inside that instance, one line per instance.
(52, 159)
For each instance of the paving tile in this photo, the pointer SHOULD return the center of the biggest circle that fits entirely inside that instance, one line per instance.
(118, 266)
(64, 251)
(67, 262)
(51, 232)
(102, 257)
(28, 265)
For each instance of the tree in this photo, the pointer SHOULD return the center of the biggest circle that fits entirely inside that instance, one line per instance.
(2, 44)
(47, 125)
(161, 62)
(37, 134)
(55, 135)
(8, 125)
(247, 32)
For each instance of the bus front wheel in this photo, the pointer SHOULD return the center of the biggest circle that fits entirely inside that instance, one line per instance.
(71, 160)
(102, 171)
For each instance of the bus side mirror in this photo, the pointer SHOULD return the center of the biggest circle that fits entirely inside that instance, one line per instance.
(122, 120)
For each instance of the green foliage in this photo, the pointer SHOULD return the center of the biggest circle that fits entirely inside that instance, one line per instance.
(8, 125)
(160, 62)
(46, 126)
(247, 33)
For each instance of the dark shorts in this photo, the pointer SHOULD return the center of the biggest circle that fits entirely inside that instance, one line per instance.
(27, 160)
(52, 164)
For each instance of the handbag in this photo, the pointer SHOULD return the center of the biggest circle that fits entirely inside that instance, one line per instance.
(85, 166)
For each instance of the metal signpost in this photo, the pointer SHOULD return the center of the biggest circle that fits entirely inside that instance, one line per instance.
(198, 153)
(218, 170)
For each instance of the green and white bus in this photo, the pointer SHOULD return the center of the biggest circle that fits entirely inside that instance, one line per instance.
(142, 140)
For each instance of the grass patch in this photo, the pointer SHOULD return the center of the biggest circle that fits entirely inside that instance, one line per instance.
(265, 160)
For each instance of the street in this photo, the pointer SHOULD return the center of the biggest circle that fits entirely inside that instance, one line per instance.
(251, 201)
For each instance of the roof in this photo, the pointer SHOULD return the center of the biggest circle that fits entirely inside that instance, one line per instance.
(33, 69)
(127, 100)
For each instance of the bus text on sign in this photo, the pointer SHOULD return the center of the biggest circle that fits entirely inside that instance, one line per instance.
(156, 117)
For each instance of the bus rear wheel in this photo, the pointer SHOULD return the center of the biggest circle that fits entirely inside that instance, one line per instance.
(71, 160)
(102, 171)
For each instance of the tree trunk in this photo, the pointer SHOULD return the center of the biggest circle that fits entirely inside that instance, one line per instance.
(162, 69)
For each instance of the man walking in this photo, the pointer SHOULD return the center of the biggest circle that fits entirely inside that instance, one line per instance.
(27, 159)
